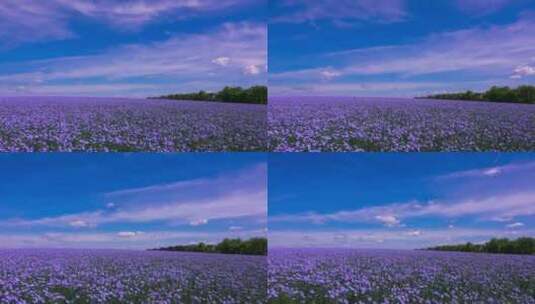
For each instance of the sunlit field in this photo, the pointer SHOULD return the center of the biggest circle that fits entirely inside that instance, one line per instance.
(396, 124)
(390, 276)
(115, 276)
(35, 124)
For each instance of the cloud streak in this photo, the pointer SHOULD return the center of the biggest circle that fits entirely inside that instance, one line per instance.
(342, 12)
(482, 7)
(27, 20)
(194, 203)
(373, 238)
(497, 54)
(490, 171)
(506, 206)
(187, 60)
(115, 240)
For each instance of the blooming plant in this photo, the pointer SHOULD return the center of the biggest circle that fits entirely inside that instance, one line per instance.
(122, 276)
(394, 124)
(121, 125)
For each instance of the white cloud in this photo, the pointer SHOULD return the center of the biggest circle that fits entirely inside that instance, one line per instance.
(515, 225)
(222, 61)
(388, 220)
(78, 223)
(523, 71)
(328, 75)
(492, 172)
(198, 222)
(414, 233)
(251, 70)
(235, 228)
(110, 205)
(128, 234)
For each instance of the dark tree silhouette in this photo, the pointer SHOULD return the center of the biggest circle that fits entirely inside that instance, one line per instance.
(523, 245)
(253, 246)
(254, 95)
(522, 94)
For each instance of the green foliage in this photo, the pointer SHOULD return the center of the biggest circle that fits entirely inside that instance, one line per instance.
(523, 245)
(254, 95)
(253, 246)
(522, 94)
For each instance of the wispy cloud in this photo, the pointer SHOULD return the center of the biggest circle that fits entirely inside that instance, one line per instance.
(490, 171)
(192, 203)
(522, 71)
(233, 206)
(489, 54)
(496, 49)
(490, 208)
(364, 88)
(373, 238)
(187, 60)
(342, 11)
(28, 20)
(515, 225)
(119, 239)
(482, 7)
(388, 220)
(137, 12)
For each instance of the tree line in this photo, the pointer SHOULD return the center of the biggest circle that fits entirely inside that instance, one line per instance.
(521, 94)
(523, 245)
(253, 246)
(254, 95)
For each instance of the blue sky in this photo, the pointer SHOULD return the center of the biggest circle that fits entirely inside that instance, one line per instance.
(399, 200)
(399, 47)
(130, 200)
(130, 48)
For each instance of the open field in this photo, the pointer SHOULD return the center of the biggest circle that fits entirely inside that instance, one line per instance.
(389, 276)
(114, 276)
(113, 124)
(394, 124)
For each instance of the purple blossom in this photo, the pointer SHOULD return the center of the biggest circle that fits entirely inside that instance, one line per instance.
(398, 276)
(394, 124)
(121, 276)
(117, 124)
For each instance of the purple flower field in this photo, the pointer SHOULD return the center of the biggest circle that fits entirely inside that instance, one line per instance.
(114, 276)
(388, 276)
(394, 124)
(118, 124)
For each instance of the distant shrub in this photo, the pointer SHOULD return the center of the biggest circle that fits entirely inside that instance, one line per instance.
(523, 245)
(253, 246)
(521, 94)
(254, 95)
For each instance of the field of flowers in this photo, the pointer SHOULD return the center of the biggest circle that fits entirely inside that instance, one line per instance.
(383, 124)
(112, 124)
(382, 276)
(113, 276)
